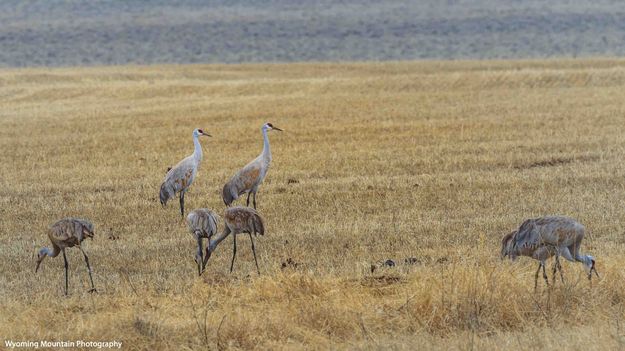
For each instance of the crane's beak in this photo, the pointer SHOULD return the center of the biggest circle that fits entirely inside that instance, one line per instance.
(206, 134)
(38, 263)
(278, 129)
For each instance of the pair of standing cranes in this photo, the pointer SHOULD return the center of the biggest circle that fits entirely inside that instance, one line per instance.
(247, 180)
(70, 232)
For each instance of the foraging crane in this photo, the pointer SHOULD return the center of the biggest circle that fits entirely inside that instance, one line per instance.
(564, 233)
(534, 249)
(180, 177)
(65, 233)
(238, 220)
(249, 178)
(202, 224)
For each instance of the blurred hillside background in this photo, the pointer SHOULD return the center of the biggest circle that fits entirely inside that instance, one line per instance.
(66, 33)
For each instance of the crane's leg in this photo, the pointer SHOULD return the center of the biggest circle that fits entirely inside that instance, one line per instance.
(254, 200)
(66, 267)
(199, 258)
(88, 269)
(545, 274)
(254, 251)
(536, 276)
(234, 251)
(559, 268)
(248, 199)
(555, 269)
(182, 203)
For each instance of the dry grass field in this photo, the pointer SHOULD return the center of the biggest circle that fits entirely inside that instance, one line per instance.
(433, 161)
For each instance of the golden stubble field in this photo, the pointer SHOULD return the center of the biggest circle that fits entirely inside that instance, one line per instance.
(433, 161)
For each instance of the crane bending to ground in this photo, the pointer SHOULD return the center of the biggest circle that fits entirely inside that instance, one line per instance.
(65, 233)
(202, 224)
(238, 220)
(180, 177)
(249, 178)
(564, 234)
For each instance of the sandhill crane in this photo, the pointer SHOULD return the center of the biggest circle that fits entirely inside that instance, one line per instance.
(65, 233)
(534, 249)
(249, 178)
(202, 224)
(180, 177)
(238, 220)
(564, 233)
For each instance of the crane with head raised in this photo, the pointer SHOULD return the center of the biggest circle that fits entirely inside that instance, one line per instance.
(67, 232)
(180, 177)
(248, 179)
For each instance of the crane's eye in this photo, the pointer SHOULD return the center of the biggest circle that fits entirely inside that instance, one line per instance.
(269, 124)
(200, 131)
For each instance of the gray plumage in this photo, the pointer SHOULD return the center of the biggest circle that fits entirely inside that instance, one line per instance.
(238, 220)
(180, 177)
(248, 179)
(202, 223)
(563, 233)
(67, 232)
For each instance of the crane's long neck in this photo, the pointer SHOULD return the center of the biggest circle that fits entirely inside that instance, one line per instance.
(585, 259)
(212, 245)
(197, 153)
(266, 149)
(54, 252)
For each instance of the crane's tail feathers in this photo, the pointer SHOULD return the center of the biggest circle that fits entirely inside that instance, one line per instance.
(166, 193)
(228, 196)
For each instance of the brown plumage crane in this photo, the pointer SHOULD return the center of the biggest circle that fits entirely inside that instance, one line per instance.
(202, 224)
(68, 232)
(180, 177)
(238, 220)
(563, 234)
(248, 179)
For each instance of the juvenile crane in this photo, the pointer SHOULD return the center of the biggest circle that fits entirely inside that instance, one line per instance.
(534, 249)
(202, 224)
(180, 177)
(65, 233)
(563, 233)
(238, 220)
(249, 178)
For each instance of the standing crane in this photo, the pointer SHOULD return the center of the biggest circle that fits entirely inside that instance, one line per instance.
(565, 234)
(180, 177)
(202, 224)
(65, 233)
(238, 220)
(248, 179)
(534, 249)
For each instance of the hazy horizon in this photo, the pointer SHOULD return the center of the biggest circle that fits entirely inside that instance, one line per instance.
(86, 33)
